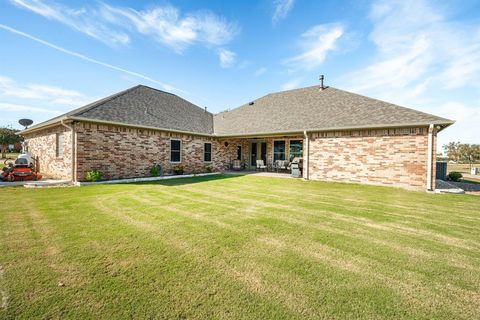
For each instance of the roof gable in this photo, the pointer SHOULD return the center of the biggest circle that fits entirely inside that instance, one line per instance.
(146, 107)
(313, 109)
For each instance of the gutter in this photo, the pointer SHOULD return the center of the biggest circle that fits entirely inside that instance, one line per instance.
(74, 139)
(443, 125)
(430, 158)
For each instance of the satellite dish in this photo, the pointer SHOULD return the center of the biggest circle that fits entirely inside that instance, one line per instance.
(25, 122)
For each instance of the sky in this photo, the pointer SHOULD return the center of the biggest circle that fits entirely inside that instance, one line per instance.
(58, 55)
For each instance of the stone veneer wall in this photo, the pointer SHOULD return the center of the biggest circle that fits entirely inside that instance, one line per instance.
(396, 157)
(42, 145)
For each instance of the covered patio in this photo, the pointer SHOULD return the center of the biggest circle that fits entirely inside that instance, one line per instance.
(273, 154)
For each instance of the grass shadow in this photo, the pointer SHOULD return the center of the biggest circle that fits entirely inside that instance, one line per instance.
(184, 181)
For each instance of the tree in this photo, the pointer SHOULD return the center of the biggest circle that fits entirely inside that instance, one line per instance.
(470, 153)
(452, 149)
(7, 136)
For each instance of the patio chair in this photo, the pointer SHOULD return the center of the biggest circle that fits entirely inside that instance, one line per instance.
(237, 165)
(261, 165)
(281, 165)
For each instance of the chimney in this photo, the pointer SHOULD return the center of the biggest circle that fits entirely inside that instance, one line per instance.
(205, 109)
(322, 77)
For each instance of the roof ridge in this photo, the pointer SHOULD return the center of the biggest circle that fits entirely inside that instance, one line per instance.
(390, 103)
(247, 104)
(100, 102)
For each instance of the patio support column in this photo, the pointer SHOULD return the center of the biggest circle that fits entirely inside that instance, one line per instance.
(306, 152)
(430, 158)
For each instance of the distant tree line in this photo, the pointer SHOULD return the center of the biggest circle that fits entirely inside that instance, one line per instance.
(462, 152)
(7, 136)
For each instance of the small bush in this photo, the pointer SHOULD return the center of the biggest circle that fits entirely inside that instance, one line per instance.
(178, 169)
(209, 169)
(156, 170)
(455, 176)
(94, 175)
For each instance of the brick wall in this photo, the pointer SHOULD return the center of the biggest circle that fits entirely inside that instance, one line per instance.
(122, 152)
(395, 157)
(42, 144)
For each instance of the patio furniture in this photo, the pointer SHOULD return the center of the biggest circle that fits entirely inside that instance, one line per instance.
(261, 165)
(281, 165)
(237, 165)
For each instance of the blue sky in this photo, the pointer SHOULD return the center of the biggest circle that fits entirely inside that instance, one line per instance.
(57, 55)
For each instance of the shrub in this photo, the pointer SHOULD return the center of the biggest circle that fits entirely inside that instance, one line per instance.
(455, 176)
(178, 169)
(209, 169)
(94, 175)
(156, 170)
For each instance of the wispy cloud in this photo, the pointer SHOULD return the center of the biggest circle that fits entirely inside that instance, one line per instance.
(292, 84)
(316, 43)
(418, 48)
(50, 95)
(260, 71)
(165, 86)
(227, 58)
(114, 24)
(424, 59)
(83, 19)
(282, 8)
(17, 108)
(167, 25)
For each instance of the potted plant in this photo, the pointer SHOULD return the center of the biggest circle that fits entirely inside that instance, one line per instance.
(178, 169)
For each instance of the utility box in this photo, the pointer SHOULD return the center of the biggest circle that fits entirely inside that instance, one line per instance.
(441, 170)
(474, 171)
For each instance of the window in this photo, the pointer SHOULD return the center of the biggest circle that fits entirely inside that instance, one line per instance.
(279, 150)
(239, 152)
(175, 150)
(296, 149)
(59, 145)
(207, 152)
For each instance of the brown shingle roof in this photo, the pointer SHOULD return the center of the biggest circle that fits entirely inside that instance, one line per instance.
(313, 109)
(146, 107)
(282, 112)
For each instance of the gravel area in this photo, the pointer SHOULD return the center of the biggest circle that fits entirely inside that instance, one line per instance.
(469, 187)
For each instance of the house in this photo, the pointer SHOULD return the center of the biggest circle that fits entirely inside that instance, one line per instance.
(341, 136)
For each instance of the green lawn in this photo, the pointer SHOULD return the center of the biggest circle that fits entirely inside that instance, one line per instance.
(238, 247)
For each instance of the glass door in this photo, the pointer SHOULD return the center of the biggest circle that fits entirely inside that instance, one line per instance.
(253, 154)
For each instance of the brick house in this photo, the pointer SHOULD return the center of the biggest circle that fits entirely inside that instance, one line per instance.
(341, 136)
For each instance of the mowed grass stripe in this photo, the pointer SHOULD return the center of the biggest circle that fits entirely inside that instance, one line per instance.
(198, 199)
(244, 247)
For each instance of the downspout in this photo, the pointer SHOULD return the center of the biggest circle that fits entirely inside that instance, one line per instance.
(72, 128)
(430, 158)
(306, 160)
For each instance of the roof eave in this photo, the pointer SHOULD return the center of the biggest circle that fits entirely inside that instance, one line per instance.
(443, 123)
(130, 125)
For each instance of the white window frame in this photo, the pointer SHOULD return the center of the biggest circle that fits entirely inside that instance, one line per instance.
(287, 146)
(211, 152)
(181, 153)
(57, 145)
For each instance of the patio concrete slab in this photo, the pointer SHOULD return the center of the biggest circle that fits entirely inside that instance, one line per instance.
(261, 174)
(33, 184)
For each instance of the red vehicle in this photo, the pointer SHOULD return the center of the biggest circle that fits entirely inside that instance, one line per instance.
(22, 169)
